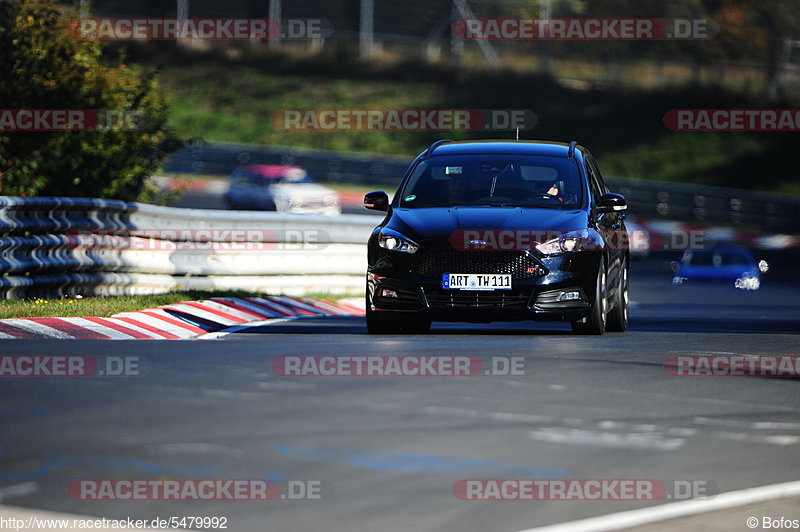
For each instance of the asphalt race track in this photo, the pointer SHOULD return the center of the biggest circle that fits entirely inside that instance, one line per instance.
(389, 450)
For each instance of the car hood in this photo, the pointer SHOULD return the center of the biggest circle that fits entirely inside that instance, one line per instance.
(429, 224)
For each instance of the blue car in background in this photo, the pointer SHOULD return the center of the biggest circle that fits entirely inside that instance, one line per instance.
(722, 264)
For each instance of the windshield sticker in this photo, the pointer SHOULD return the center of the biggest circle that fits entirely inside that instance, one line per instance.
(453, 170)
(410, 197)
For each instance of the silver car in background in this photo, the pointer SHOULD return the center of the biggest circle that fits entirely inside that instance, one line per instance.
(280, 188)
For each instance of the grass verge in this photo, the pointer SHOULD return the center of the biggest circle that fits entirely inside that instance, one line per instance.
(102, 307)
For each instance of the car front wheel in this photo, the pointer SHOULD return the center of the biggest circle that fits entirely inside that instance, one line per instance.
(377, 324)
(618, 317)
(416, 326)
(595, 323)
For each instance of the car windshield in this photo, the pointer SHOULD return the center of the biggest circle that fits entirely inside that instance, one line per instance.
(716, 258)
(494, 180)
(248, 177)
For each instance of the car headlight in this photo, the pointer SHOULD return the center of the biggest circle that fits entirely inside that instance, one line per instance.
(581, 240)
(396, 242)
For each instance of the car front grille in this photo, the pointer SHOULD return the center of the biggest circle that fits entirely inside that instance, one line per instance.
(480, 300)
(434, 263)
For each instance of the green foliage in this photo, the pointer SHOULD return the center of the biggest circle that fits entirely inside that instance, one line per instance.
(221, 101)
(43, 67)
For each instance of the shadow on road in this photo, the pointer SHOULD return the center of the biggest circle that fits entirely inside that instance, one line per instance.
(355, 325)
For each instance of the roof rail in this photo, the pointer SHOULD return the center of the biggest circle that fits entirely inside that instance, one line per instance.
(436, 145)
(571, 153)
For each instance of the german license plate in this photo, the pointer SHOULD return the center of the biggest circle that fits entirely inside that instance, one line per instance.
(476, 281)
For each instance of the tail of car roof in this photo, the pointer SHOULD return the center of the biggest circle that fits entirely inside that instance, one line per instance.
(570, 148)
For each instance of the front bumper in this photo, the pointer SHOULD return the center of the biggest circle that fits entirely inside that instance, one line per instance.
(394, 285)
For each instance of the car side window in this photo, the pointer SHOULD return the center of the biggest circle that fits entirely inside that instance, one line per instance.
(238, 178)
(590, 175)
(598, 176)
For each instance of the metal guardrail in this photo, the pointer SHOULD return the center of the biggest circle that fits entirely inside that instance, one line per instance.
(698, 203)
(221, 158)
(649, 199)
(57, 246)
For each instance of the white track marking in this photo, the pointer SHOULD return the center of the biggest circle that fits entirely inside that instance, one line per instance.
(195, 448)
(497, 416)
(756, 425)
(255, 309)
(278, 385)
(275, 306)
(238, 328)
(137, 328)
(777, 439)
(663, 512)
(246, 316)
(638, 436)
(329, 308)
(230, 394)
(651, 441)
(40, 330)
(18, 490)
(99, 329)
(293, 303)
(200, 312)
(357, 302)
(158, 323)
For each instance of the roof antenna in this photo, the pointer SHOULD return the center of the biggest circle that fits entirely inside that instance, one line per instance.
(517, 132)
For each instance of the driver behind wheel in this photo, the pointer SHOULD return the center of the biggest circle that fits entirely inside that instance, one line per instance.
(548, 188)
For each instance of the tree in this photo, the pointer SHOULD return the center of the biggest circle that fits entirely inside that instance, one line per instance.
(42, 66)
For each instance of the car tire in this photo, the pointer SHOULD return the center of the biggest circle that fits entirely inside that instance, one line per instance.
(416, 326)
(377, 324)
(618, 317)
(595, 323)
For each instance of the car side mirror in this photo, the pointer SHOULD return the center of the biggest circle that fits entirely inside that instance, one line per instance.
(377, 201)
(612, 203)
